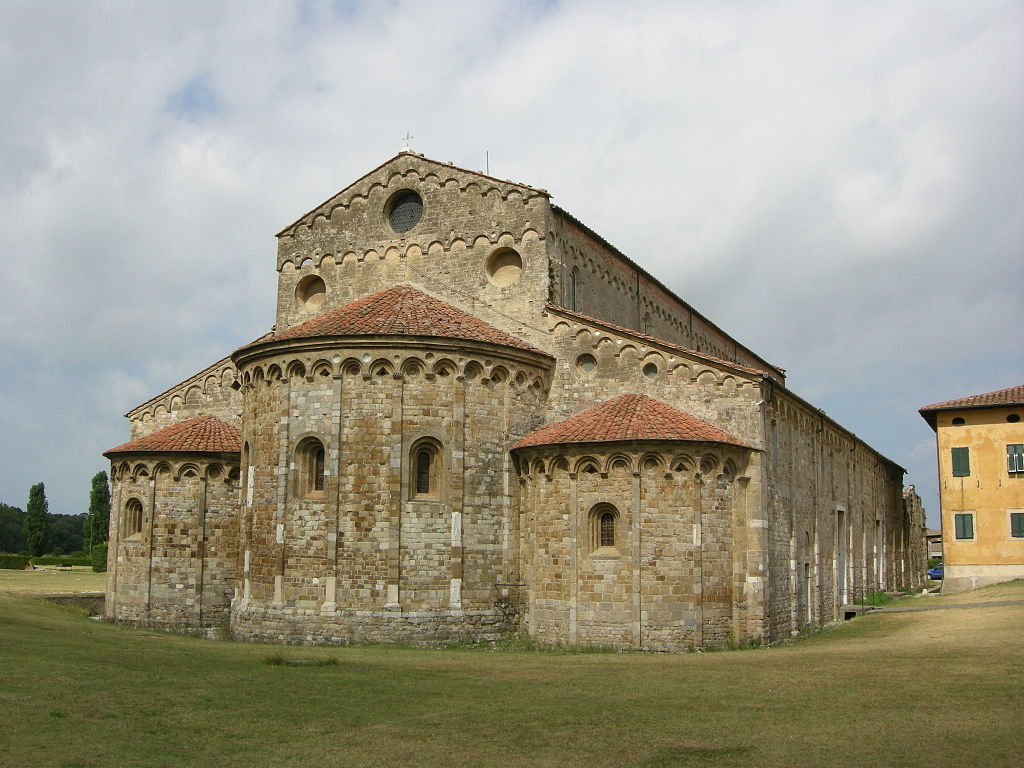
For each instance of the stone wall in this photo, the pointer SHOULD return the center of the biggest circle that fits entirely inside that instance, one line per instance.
(208, 392)
(369, 556)
(611, 288)
(467, 219)
(674, 577)
(834, 514)
(177, 570)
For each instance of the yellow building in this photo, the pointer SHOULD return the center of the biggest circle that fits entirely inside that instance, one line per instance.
(980, 443)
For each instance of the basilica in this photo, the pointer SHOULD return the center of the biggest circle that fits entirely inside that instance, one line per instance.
(473, 417)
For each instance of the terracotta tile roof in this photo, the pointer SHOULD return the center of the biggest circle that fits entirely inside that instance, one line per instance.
(997, 399)
(628, 417)
(661, 342)
(1008, 396)
(400, 311)
(204, 434)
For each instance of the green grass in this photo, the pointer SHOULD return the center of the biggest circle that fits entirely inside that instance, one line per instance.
(907, 689)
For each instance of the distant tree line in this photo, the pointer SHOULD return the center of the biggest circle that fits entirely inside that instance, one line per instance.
(35, 531)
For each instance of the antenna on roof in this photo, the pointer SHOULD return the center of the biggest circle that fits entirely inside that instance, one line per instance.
(408, 142)
(487, 161)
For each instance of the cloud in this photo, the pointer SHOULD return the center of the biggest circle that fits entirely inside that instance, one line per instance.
(838, 185)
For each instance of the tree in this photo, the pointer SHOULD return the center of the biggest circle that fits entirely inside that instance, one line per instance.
(12, 537)
(99, 510)
(67, 533)
(37, 521)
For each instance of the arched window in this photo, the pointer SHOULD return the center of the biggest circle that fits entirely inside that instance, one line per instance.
(423, 461)
(133, 517)
(574, 281)
(425, 465)
(310, 467)
(607, 523)
(604, 524)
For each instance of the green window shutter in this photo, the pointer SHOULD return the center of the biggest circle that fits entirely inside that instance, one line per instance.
(1017, 525)
(964, 526)
(1015, 458)
(961, 462)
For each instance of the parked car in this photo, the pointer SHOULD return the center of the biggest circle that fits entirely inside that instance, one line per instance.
(935, 572)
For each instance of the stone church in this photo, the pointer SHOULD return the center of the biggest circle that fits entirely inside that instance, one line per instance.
(474, 416)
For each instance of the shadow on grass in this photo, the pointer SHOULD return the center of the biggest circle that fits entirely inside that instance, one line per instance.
(682, 755)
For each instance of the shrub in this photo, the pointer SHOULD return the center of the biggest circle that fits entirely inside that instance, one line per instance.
(63, 559)
(13, 562)
(99, 558)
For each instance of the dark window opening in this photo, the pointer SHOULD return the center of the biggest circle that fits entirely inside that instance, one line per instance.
(607, 530)
(423, 472)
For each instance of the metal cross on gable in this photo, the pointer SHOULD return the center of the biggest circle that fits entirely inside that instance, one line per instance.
(408, 142)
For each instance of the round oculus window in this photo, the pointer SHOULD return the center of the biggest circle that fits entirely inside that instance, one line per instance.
(504, 267)
(586, 363)
(650, 370)
(405, 211)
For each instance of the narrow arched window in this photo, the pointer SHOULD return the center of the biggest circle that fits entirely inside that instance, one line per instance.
(423, 471)
(607, 529)
(310, 468)
(133, 517)
(574, 278)
(318, 469)
(604, 521)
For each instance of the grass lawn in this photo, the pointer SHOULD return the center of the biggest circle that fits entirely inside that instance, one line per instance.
(49, 580)
(934, 688)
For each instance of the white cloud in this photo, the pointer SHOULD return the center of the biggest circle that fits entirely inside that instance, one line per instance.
(839, 185)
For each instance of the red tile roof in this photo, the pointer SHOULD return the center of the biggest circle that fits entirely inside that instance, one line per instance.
(204, 434)
(400, 311)
(628, 417)
(1008, 396)
(999, 398)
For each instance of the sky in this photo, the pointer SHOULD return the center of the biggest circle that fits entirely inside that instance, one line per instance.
(839, 185)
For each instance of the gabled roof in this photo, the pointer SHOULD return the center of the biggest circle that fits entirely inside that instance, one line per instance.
(998, 399)
(419, 158)
(629, 417)
(203, 434)
(399, 311)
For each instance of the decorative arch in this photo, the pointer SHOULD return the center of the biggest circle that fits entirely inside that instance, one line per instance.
(188, 470)
(381, 368)
(683, 463)
(444, 368)
(412, 367)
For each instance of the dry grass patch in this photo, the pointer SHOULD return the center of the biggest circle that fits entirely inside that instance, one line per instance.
(907, 689)
(51, 580)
